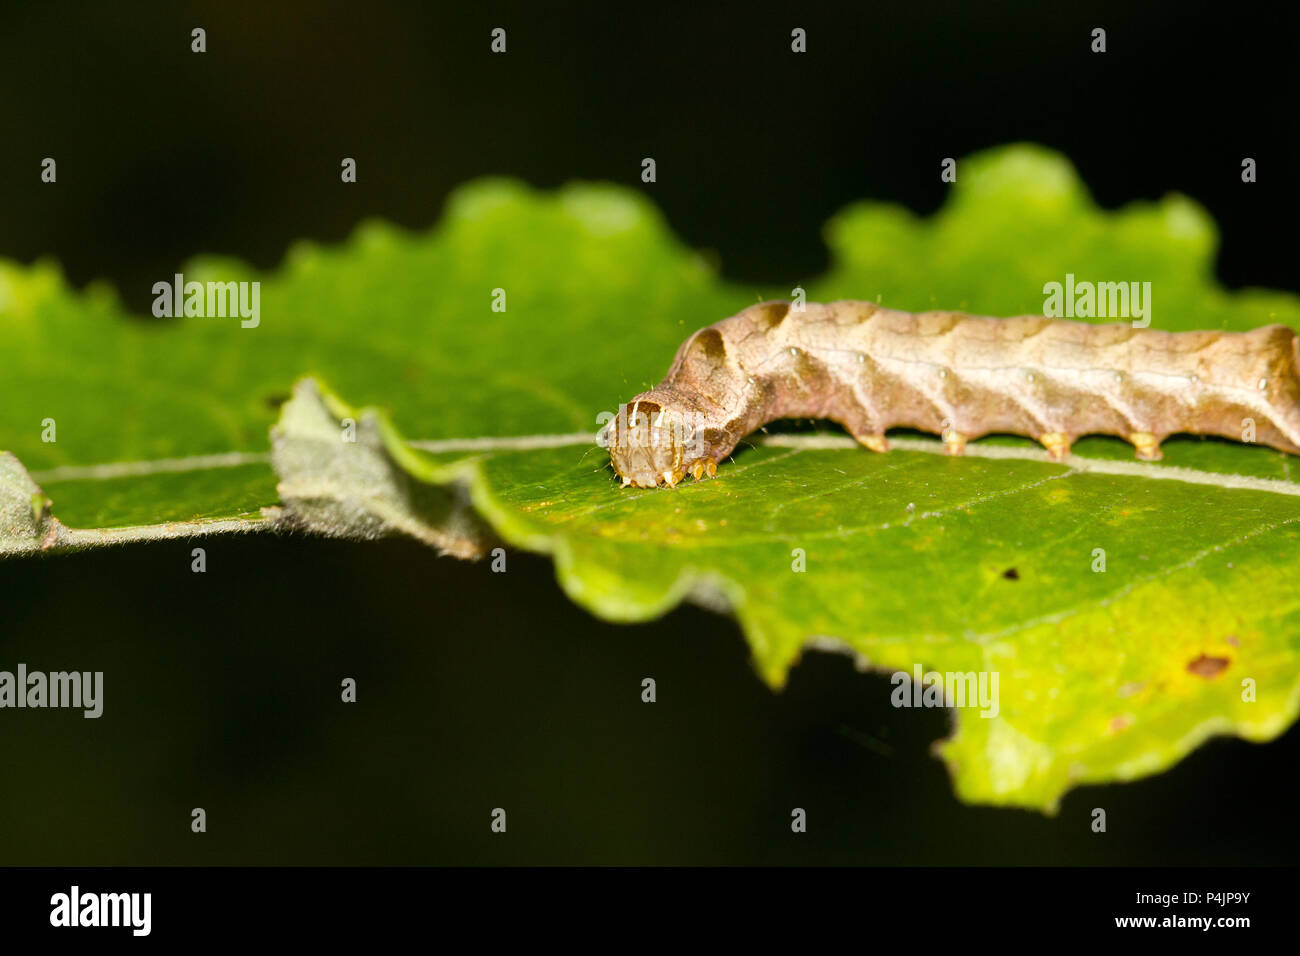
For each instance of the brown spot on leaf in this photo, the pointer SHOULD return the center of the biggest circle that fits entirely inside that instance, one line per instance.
(1119, 723)
(1208, 667)
(1011, 574)
(1233, 640)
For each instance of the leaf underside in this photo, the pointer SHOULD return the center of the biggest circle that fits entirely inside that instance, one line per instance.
(984, 564)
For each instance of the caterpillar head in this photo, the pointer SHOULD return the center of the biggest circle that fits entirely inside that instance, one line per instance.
(652, 441)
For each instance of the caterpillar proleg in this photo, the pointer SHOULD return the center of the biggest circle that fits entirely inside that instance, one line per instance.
(870, 369)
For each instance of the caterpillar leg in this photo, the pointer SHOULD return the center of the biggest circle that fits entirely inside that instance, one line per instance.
(875, 442)
(1147, 446)
(1057, 444)
(954, 443)
(705, 466)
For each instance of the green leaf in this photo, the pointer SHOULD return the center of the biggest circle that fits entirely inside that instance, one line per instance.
(986, 564)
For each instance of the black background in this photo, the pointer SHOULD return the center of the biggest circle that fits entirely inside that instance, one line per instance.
(480, 690)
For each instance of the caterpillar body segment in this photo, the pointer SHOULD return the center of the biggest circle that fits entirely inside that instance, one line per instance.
(870, 369)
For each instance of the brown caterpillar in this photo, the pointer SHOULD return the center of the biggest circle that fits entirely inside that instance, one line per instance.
(870, 369)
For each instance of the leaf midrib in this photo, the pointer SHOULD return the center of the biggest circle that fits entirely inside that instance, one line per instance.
(1074, 464)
